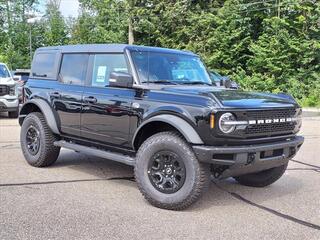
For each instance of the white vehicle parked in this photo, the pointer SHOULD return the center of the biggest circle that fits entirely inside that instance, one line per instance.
(9, 101)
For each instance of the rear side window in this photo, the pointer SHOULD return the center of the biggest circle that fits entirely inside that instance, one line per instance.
(44, 65)
(74, 68)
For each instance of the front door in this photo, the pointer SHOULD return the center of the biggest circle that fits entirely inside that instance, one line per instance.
(106, 110)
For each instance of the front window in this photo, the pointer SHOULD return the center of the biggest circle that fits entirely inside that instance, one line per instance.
(4, 73)
(154, 67)
(104, 64)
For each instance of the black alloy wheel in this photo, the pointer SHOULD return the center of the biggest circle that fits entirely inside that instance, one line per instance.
(166, 172)
(33, 140)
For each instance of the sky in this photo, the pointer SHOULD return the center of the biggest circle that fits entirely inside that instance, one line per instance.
(67, 7)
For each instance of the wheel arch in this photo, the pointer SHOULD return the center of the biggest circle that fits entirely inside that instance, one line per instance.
(165, 122)
(40, 105)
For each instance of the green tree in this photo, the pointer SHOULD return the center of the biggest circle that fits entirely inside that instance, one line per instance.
(13, 32)
(56, 30)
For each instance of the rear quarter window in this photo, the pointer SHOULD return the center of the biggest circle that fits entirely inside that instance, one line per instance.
(44, 65)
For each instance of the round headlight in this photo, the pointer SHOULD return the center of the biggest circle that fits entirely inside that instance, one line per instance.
(225, 123)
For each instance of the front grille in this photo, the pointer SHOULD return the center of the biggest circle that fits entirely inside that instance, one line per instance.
(271, 114)
(270, 128)
(4, 90)
(274, 128)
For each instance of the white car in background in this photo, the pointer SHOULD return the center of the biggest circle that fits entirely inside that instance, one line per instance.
(9, 101)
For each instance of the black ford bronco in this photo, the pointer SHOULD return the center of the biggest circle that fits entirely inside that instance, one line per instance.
(157, 110)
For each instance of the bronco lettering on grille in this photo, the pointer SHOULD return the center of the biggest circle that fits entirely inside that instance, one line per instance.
(268, 121)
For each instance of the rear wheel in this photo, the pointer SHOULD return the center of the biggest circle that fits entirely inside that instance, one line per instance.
(37, 140)
(263, 178)
(168, 173)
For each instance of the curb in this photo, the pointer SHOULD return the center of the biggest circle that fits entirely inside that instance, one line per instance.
(311, 109)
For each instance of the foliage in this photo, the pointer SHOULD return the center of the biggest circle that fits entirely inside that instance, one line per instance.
(265, 45)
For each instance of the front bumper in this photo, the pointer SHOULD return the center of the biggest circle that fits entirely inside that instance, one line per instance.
(249, 158)
(9, 103)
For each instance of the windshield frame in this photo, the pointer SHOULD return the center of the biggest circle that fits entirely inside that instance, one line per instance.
(137, 76)
(7, 69)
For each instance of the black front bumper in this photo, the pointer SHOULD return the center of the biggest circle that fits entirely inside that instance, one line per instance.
(249, 158)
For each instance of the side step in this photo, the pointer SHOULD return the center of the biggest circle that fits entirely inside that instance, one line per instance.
(118, 157)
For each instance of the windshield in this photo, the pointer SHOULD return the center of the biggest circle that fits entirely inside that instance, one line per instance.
(171, 68)
(4, 73)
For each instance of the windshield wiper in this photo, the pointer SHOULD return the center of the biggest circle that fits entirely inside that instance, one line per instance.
(196, 82)
(161, 81)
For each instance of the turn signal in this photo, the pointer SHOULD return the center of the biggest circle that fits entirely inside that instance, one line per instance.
(212, 120)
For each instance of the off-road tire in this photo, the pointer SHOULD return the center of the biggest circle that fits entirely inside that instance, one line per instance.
(13, 114)
(263, 178)
(196, 178)
(47, 153)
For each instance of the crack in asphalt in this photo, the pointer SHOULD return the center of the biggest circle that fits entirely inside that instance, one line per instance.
(9, 147)
(10, 125)
(67, 181)
(304, 169)
(311, 138)
(270, 210)
(12, 141)
(304, 163)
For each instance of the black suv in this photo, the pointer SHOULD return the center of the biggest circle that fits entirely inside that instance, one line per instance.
(155, 109)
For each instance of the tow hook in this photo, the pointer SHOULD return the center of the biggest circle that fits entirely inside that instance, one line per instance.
(251, 158)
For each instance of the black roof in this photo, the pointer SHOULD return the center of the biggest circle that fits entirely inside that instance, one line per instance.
(111, 48)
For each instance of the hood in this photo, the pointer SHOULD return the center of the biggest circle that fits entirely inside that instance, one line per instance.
(6, 81)
(236, 98)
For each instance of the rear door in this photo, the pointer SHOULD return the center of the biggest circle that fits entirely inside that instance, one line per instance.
(67, 97)
(106, 110)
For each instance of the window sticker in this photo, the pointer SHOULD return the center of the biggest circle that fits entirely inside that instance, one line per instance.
(101, 75)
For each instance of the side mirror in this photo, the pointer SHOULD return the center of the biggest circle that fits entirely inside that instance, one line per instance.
(16, 78)
(120, 79)
(228, 83)
(234, 85)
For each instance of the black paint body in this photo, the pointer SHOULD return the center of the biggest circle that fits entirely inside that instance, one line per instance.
(113, 119)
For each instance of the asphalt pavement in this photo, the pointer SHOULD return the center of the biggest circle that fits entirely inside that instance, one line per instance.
(82, 197)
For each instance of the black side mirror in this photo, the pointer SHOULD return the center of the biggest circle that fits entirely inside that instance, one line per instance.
(228, 83)
(120, 79)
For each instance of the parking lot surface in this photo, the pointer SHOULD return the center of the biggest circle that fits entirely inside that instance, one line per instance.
(82, 197)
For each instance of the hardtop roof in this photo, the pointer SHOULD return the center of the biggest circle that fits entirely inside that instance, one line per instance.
(110, 48)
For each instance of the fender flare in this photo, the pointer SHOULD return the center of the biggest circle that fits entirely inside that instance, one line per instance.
(180, 124)
(46, 110)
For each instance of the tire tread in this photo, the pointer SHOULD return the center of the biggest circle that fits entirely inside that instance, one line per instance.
(50, 153)
(202, 172)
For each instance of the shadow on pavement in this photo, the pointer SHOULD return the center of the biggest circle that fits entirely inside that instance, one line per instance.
(217, 194)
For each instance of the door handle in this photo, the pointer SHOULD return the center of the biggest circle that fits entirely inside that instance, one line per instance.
(55, 94)
(90, 99)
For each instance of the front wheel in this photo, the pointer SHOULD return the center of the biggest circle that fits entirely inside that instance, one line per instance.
(263, 178)
(168, 173)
